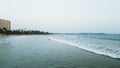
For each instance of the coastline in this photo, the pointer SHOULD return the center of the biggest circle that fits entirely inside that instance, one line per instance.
(1, 34)
(22, 34)
(45, 53)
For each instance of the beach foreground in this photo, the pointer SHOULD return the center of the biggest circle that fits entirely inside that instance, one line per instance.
(40, 52)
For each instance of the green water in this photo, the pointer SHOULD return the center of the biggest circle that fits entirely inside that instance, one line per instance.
(40, 52)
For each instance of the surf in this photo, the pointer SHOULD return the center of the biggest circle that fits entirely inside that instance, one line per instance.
(98, 50)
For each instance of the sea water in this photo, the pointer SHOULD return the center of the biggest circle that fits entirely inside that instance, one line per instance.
(54, 51)
(105, 44)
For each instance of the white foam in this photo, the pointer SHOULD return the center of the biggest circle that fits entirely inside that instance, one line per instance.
(90, 48)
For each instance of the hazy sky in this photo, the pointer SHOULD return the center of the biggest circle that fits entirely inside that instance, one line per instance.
(63, 15)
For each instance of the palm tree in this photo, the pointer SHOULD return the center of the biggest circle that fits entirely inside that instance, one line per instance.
(1, 31)
(4, 29)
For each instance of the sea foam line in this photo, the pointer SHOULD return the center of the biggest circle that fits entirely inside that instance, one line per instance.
(85, 48)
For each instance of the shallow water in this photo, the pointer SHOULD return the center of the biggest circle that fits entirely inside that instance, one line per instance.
(108, 44)
(41, 52)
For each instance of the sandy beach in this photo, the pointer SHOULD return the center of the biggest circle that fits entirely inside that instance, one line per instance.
(40, 52)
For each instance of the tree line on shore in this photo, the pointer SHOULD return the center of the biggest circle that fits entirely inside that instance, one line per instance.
(22, 32)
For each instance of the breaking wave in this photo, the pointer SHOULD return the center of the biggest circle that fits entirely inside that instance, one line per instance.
(103, 50)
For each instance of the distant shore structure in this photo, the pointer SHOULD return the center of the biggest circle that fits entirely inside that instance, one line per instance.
(5, 24)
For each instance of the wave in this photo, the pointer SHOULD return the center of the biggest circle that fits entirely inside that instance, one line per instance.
(112, 37)
(98, 50)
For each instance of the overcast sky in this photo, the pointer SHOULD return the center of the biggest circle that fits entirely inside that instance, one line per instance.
(63, 15)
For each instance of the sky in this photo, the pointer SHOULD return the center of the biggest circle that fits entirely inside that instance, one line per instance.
(63, 16)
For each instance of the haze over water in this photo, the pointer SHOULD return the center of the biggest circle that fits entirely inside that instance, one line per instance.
(73, 16)
(64, 50)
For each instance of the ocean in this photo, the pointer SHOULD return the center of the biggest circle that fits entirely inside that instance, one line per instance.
(105, 44)
(60, 51)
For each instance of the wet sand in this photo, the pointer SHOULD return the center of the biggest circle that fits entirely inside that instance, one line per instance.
(40, 52)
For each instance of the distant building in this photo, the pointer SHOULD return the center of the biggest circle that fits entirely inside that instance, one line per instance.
(5, 24)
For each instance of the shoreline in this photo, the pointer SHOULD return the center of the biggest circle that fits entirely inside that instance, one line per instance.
(44, 53)
(22, 34)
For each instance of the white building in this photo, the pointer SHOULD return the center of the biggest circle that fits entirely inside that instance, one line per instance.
(5, 24)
